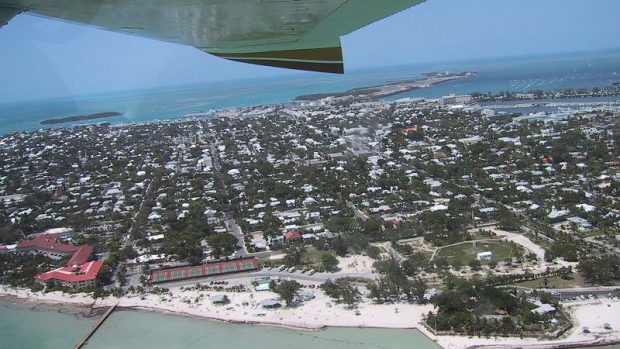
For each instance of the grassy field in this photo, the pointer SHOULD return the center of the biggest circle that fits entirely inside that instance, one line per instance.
(557, 282)
(312, 256)
(310, 259)
(466, 252)
(554, 282)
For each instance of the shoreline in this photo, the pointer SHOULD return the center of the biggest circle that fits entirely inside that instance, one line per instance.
(317, 316)
(214, 319)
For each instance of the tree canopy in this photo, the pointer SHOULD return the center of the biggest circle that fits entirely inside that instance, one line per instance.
(286, 289)
(222, 244)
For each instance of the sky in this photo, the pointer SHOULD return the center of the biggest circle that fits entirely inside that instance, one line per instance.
(42, 58)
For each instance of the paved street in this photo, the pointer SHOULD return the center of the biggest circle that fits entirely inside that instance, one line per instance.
(245, 278)
(234, 229)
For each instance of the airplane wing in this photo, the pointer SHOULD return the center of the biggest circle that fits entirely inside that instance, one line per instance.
(296, 34)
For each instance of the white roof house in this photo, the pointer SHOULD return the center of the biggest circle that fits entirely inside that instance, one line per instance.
(155, 237)
(586, 207)
(557, 213)
(543, 309)
(484, 256)
(488, 210)
(439, 208)
(154, 216)
(580, 222)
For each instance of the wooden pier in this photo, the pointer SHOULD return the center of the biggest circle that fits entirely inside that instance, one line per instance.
(95, 327)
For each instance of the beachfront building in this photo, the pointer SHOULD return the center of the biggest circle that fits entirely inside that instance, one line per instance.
(76, 276)
(264, 286)
(220, 299)
(78, 273)
(305, 295)
(203, 270)
(271, 304)
(48, 245)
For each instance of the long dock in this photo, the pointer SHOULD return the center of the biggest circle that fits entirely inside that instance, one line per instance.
(95, 327)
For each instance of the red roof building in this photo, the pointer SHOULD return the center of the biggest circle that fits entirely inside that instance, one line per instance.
(204, 270)
(48, 244)
(84, 275)
(292, 236)
(78, 273)
(81, 256)
(413, 128)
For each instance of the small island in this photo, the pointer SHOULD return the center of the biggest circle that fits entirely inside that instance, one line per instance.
(107, 114)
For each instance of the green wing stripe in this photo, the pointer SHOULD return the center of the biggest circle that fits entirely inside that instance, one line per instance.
(313, 54)
(325, 67)
(6, 13)
(322, 59)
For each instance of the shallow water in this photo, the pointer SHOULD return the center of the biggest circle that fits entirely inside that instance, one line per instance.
(25, 326)
(30, 326)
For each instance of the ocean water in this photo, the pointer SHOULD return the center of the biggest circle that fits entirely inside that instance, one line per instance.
(556, 72)
(515, 74)
(26, 326)
(21, 326)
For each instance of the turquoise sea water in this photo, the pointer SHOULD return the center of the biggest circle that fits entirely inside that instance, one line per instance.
(24, 326)
(515, 74)
(133, 329)
(21, 326)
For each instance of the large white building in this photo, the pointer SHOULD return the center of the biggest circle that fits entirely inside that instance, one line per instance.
(455, 99)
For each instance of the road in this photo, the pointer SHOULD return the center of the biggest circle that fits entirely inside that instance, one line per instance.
(235, 229)
(229, 220)
(248, 277)
(127, 240)
(217, 169)
(358, 213)
(599, 292)
(149, 190)
(388, 247)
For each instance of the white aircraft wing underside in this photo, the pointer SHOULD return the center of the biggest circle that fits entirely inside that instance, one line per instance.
(298, 34)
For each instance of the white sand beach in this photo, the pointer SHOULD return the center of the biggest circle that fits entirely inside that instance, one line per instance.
(245, 307)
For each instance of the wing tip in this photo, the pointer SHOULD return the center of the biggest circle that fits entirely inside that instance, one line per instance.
(7, 13)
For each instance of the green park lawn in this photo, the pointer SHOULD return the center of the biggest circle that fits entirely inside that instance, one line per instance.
(465, 252)
(554, 282)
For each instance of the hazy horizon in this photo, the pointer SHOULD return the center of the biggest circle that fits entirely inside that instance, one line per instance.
(300, 74)
(53, 59)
